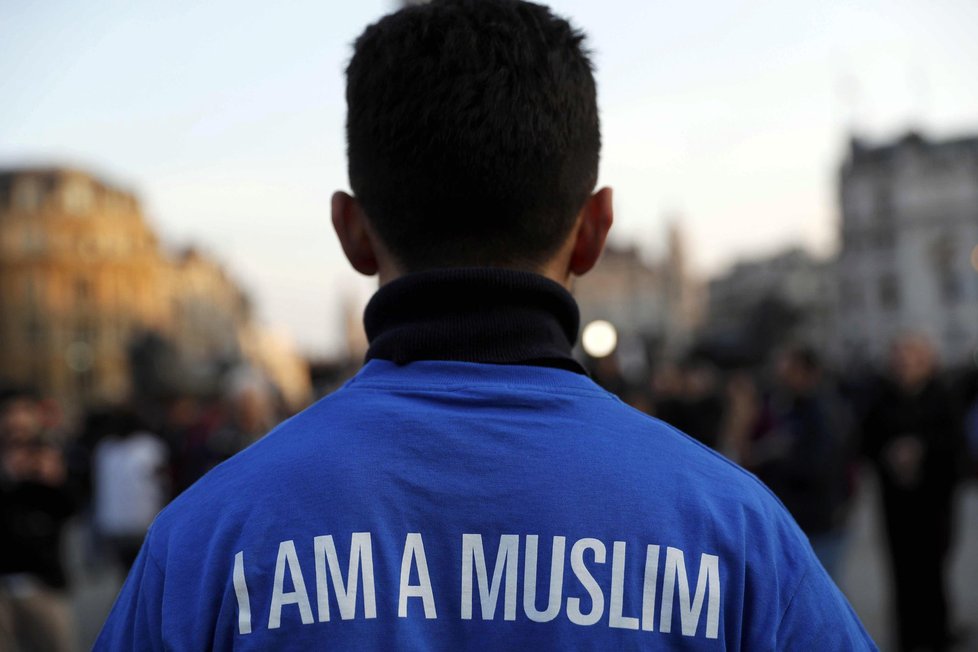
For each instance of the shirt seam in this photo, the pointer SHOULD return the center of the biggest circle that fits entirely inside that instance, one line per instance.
(151, 555)
(450, 389)
(791, 600)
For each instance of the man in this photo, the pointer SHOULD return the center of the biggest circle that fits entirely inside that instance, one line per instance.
(913, 435)
(471, 486)
(35, 504)
(801, 452)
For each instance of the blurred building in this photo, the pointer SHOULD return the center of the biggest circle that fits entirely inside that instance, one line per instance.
(656, 305)
(909, 245)
(274, 354)
(84, 283)
(766, 302)
(205, 305)
(354, 335)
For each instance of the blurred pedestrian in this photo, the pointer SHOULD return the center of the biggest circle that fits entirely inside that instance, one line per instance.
(35, 504)
(703, 406)
(742, 405)
(223, 426)
(912, 436)
(250, 414)
(801, 451)
(130, 485)
(667, 392)
(971, 424)
(689, 398)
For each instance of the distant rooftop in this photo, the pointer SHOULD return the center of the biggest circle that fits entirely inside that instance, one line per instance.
(862, 152)
(52, 174)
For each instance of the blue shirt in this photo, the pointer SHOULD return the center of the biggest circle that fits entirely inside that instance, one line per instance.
(452, 505)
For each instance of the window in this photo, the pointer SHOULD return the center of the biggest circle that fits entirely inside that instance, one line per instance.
(949, 285)
(852, 296)
(83, 290)
(77, 197)
(889, 292)
(34, 330)
(952, 290)
(885, 238)
(33, 242)
(28, 195)
(30, 291)
(88, 246)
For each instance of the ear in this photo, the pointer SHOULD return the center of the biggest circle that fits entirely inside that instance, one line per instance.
(350, 225)
(594, 222)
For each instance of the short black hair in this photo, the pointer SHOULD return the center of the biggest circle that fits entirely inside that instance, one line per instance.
(472, 131)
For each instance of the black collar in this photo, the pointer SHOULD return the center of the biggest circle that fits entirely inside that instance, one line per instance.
(473, 315)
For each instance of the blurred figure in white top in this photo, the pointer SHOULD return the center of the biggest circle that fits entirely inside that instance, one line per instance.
(130, 485)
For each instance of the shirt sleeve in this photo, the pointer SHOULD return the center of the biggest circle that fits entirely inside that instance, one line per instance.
(819, 617)
(136, 619)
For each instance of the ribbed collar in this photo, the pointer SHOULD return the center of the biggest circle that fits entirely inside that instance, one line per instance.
(473, 315)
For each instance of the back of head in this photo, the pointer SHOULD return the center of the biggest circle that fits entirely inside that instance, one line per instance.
(799, 368)
(473, 132)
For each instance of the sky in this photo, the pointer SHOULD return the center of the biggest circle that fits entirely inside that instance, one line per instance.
(226, 118)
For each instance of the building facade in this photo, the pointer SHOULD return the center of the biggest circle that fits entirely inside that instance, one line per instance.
(763, 303)
(909, 246)
(83, 278)
(657, 304)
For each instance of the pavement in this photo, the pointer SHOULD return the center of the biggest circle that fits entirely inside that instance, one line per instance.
(864, 577)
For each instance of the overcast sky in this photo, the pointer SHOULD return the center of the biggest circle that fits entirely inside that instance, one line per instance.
(226, 118)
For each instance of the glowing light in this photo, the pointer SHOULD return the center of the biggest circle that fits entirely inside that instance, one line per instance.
(599, 339)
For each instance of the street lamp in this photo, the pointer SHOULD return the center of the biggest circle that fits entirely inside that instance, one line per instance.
(599, 339)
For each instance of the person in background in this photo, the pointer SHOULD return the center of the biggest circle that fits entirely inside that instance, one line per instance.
(129, 469)
(801, 450)
(35, 504)
(250, 414)
(179, 420)
(702, 403)
(221, 427)
(970, 401)
(912, 436)
(689, 398)
(667, 392)
(742, 407)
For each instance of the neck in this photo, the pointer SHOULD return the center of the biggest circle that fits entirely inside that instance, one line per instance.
(484, 315)
(555, 270)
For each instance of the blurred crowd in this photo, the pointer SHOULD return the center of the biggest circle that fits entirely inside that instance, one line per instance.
(804, 429)
(110, 475)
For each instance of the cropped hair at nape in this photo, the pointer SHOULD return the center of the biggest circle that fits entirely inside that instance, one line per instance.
(472, 131)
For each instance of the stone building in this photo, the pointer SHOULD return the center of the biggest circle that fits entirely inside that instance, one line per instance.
(205, 306)
(83, 278)
(766, 302)
(909, 246)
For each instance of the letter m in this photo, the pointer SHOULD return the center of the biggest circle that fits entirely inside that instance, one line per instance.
(708, 584)
(361, 557)
(474, 562)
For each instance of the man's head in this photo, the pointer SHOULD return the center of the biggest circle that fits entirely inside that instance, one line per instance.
(799, 369)
(913, 360)
(473, 139)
